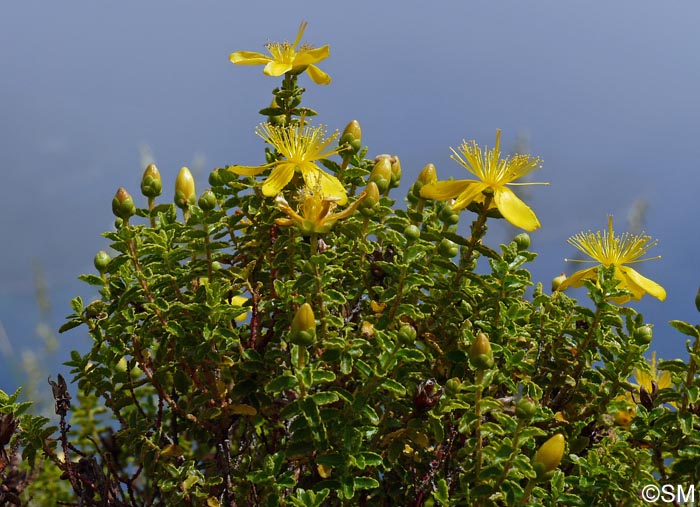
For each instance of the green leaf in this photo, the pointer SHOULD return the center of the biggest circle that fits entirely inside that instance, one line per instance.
(393, 386)
(366, 483)
(685, 328)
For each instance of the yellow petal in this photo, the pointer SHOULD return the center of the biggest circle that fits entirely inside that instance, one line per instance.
(442, 190)
(249, 58)
(317, 75)
(649, 286)
(278, 179)
(311, 56)
(576, 279)
(473, 192)
(331, 187)
(276, 68)
(514, 210)
(249, 170)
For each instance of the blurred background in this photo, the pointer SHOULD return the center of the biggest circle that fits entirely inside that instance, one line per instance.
(91, 92)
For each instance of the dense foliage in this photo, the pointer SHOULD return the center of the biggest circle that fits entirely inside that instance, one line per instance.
(274, 345)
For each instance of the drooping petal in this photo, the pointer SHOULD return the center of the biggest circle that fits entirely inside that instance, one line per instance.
(514, 210)
(249, 58)
(441, 190)
(278, 179)
(274, 68)
(331, 187)
(576, 279)
(317, 75)
(649, 286)
(311, 56)
(350, 209)
(473, 192)
(249, 170)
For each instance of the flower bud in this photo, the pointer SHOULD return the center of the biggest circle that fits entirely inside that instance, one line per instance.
(428, 175)
(643, 335)
(480, 353)
(448, 248)
(207, 201)
(448, 215)
(522, 241)
(351, 138)
(395, 171)
(557, 281)
(122, 204)
(185, 194)
(303, 329)
(381, 174)
(151, 184)
(549, 455)
(215, 179)
(370, 202)
(277, 120)
(411, 232)
(101, 261)
(526, 408)
(407, 334)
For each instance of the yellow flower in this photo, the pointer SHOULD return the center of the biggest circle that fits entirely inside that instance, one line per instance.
(288, 57)
(316, 212)
(494, 174)
(301, 148)
(609, 250)
(661, 379)
(239, 301)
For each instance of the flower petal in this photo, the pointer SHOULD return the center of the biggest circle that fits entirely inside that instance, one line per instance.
(276, 68)
(473, 192)
(317, 75)
(576, 279)
(311, 56)
(514, 210)
(442, 190)
(249, 58)
(331, 187)
(647, 285)
(278, 179)
(249, 170)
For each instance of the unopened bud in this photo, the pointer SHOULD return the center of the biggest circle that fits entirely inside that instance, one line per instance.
(448, 215)
(407, 334)
(480, 352)
(448, 248)
(122, 204)
(101, 261)
(395, 171)
(557, 281)
(303, 330)
(522, 241)
(207, 201)
(151, 184)
(215, 179)
(549, 455)
(185, 194)
(411, 232)
(279, 119)
(643, 335)
(351, 138)
(526, 408)
(428, 175)
(381, 174)
(371, 201)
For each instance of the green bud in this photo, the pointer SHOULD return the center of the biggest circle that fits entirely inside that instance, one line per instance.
(411, 233)
(522, 241)
(122, 204)
(407, 334)
(277, 120)
(151, 184)
(381, 174)
(549, 455)
(448, 248)
(303, 329)
(526, 408)
(121, 365)
(480, 353)
(101, 261)
(185, 194)
(452, 386)
(557, 281)
(369, 203)
(643, 335)
(351, 138)
(427, 175)
(215, 179)
(207, 201)
(448, 215)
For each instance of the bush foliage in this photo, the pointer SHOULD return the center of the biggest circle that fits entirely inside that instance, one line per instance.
(270, 344)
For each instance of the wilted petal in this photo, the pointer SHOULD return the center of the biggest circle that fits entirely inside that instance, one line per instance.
(514, 210)
(278, 179)
(248, 58)
(646, 285)
(317, 75)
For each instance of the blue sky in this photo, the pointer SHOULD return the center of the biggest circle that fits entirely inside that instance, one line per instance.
(605, 92)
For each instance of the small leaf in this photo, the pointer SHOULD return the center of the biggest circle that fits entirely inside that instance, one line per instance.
(685, 328)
